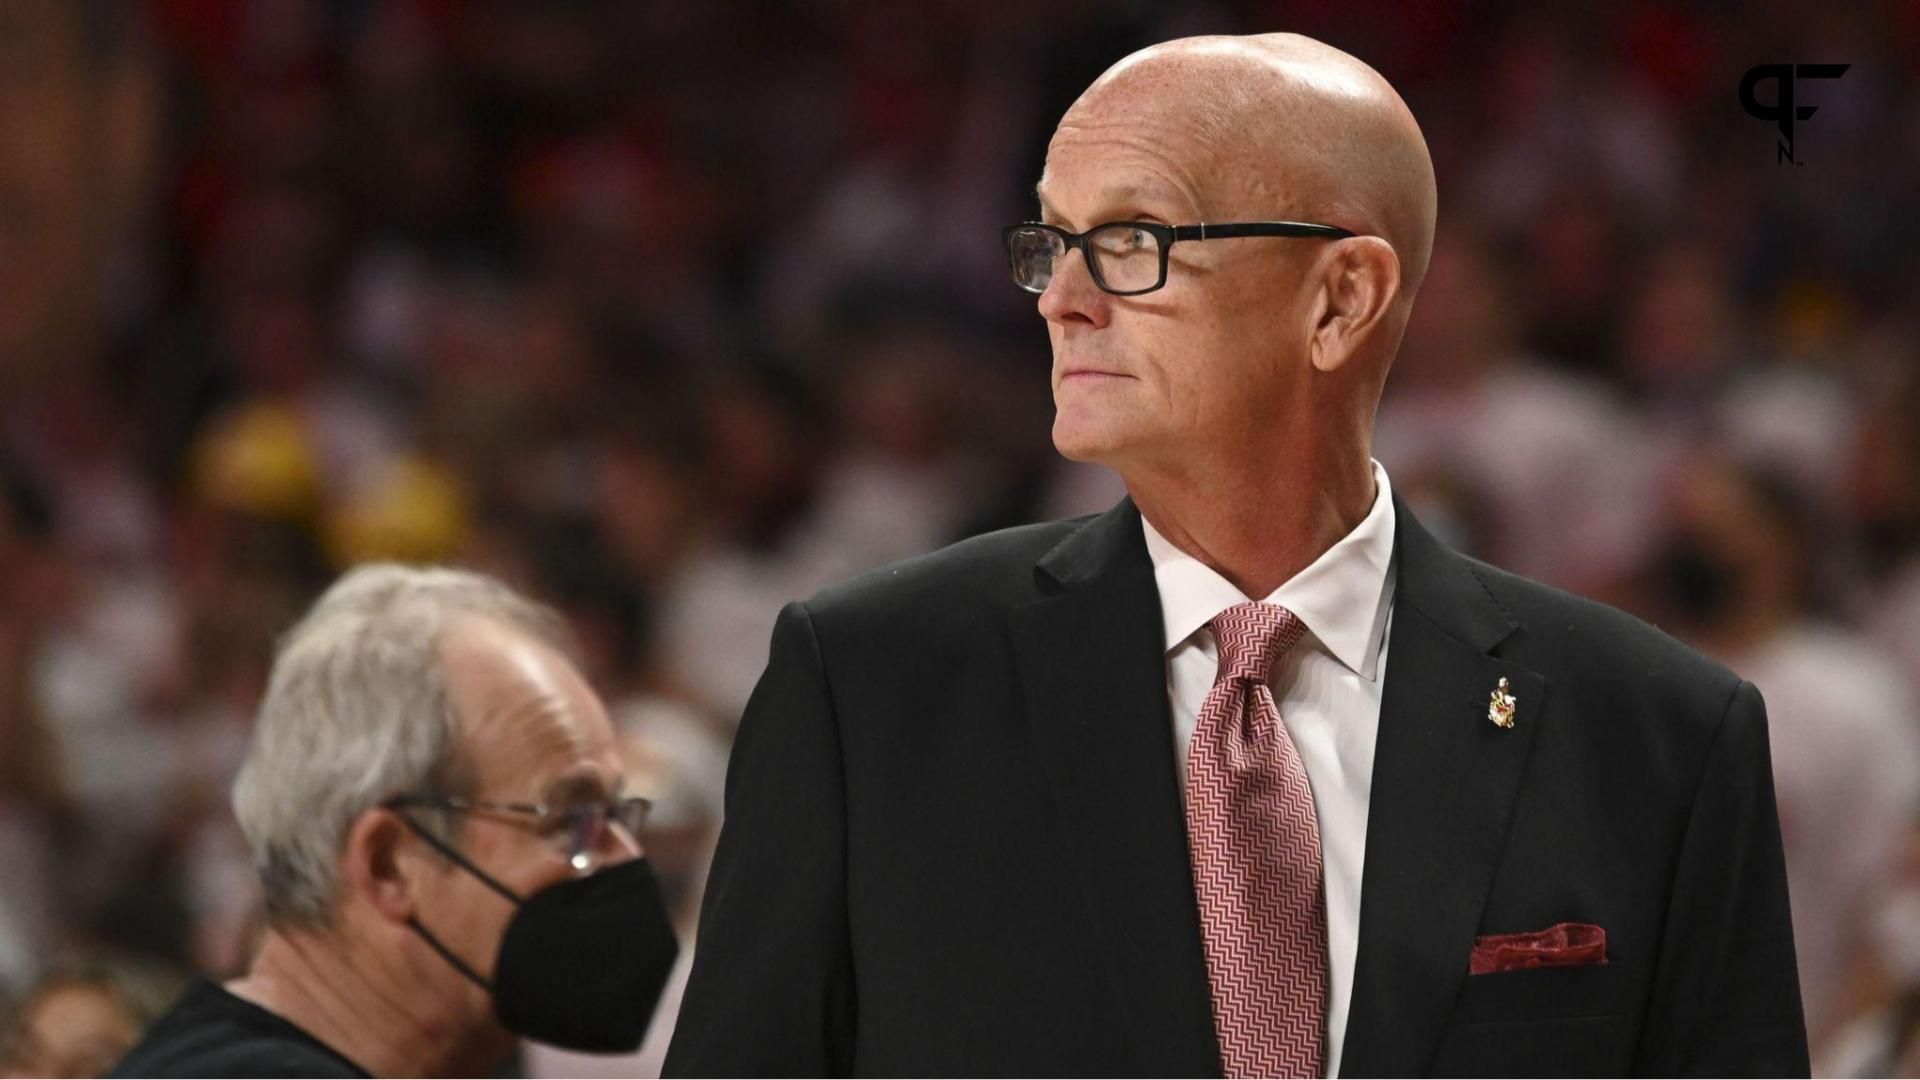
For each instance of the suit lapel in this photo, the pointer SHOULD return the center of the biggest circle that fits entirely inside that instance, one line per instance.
(1444, 779)
(1093, 667)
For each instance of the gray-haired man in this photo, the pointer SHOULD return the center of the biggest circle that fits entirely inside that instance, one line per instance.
(433, 799)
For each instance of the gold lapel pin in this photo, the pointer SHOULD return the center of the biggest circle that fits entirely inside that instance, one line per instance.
(1500, 709)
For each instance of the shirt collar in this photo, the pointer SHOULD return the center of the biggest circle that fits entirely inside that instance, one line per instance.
(1343, 596)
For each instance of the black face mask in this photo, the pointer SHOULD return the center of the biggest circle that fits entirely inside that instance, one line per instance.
(582, 963)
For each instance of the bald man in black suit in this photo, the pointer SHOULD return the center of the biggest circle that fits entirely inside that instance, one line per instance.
(1250, 773)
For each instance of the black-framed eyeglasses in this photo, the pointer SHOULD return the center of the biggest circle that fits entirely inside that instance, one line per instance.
(577, 830)
(1127, 258)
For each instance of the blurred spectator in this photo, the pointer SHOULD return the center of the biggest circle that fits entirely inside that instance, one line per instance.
(1887, 504)
(1558, 460)
(34, 803)
(446, 852)
(85, 622)
(1878, 1030)
(81, 1018)
(77, 123)
(1738, 581)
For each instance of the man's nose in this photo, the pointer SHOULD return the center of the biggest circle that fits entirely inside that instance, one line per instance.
(1071, 296)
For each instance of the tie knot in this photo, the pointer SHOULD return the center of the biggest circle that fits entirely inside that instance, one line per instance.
(1252, 638)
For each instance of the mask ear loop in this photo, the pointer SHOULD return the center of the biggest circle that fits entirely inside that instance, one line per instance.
(459, 860)
(447, 955)
(464, 863)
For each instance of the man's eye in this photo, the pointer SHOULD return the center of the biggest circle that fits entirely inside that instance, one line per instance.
(1120, 241)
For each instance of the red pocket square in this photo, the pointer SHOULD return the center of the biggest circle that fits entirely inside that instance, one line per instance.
(1565, 945)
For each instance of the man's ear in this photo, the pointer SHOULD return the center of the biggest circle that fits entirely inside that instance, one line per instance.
(1359, 285)
(373, 869)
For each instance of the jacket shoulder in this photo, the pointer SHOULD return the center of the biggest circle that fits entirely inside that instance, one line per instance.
(1590, 645)
(992, 570)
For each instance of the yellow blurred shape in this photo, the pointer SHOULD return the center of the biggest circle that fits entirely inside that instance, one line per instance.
(255, 459)
(414, 511)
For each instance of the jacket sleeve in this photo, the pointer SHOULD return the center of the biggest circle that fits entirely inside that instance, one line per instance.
(771, 993)
(1726, 998)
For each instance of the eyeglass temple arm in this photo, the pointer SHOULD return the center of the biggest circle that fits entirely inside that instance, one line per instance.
(1259, 228)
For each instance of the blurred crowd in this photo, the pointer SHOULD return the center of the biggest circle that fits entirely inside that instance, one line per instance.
(668, 313)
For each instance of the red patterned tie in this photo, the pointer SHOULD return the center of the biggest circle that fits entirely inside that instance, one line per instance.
(1256, 858)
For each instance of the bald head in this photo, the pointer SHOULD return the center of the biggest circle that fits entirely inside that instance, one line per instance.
(1251, 349)
(1278, 125)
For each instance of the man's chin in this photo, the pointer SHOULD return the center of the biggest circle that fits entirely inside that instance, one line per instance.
(1081, 438)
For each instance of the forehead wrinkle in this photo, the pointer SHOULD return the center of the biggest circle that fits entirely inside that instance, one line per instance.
(500, 674)
(1124, 198)
(518, 711)
(1211, 129)
(1157, 169)
(527, 742)
(579, 781)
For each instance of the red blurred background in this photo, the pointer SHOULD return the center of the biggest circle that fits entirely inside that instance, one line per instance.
(671, 312)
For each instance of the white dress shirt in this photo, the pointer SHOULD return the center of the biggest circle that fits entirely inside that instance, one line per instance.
(1328, 687)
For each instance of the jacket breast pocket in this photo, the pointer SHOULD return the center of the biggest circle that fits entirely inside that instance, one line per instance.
(1541, 993)
(1554, 1021)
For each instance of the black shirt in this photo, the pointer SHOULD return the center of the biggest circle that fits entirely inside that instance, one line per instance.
(213, 1033)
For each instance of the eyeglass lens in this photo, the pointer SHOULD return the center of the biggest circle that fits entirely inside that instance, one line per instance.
(587, 826)
(1124, 258)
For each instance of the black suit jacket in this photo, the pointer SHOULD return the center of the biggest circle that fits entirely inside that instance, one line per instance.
(954, 840)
